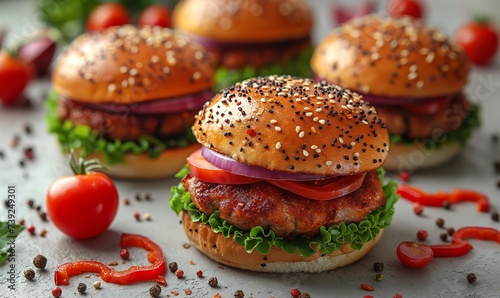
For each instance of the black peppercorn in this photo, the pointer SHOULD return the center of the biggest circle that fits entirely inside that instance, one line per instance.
(378, 267)
(81, 288)
(40, 262)
(147, 196)
(450, 231)
(173, 267)
(29, 274)
(305, 295)
(494, 216)
(155, 291)
(239, 294)
(440, 222)
(137, 196)
(213, 282)
(31, 203)
(471, 278)
(444, 236)
(446, 205)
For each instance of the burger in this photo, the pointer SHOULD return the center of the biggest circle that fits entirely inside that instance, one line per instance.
(288, 177)
(250, 37)
(415, 77)
(128, 97)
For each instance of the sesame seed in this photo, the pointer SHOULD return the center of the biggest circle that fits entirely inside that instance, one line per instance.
(420, 84)
(278, 145)
(313, 147)
(297, 129)
(318, 110)
(123, 69)
(155, 59)
(309, 114)
(350, 107)
(305, 152)
(364, 122)
(165, 70)
(133, 72)
(412, 75)
(262, 99)
(430, 57)
(344, 107)
(315, 119)
(196, 75)
(322, 121)
(313, 129)
(198, 55)
(111, 87)
(341, 141)
(307, 108)
(301, 134)
(413, 68)
(274, 121)
(328, 163)
(353, 143)
(277, 128)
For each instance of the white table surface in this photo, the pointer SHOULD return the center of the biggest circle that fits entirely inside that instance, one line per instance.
(444, 277)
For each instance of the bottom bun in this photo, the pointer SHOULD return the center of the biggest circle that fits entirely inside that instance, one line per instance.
(414, 157)
(141, 166)
(228, 252)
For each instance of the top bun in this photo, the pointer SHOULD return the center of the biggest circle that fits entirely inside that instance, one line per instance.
(244, 20)
(294, 125)
(129, 65)
(391, 57)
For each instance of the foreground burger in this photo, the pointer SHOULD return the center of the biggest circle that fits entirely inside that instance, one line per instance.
(414, 75)
(250, 37)
(128, 96)
(288, 177)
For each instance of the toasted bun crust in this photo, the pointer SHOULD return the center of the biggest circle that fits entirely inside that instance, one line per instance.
(277, 122)
(391, 57)
(244, 20)
(228, 252)
(415, 157)
(128, 65)
(143, 167)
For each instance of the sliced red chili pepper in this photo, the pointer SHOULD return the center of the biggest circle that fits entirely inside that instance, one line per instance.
(153, 272)
(416, 195)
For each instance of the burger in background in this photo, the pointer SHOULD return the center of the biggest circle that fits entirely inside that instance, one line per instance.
(415, 77)
(128, 97)
(288, 178)
(250, 37)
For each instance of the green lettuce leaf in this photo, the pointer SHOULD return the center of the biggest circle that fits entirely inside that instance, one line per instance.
(81, 138)
(8, 232)
(328, 240)
(461, 135)
(298, 66)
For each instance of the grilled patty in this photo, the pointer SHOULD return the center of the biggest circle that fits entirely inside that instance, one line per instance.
(124, 125)
(422, 126)
(285, 213)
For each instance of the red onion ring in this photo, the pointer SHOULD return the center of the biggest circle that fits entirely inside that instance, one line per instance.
(159, 106)
(235, 167)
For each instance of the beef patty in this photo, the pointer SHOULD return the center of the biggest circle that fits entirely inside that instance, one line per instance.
(124, 125)
(287, 214)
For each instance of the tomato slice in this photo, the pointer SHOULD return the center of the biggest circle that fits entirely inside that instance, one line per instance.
(322, 189)
(205, 171)
(428, 107)
(414, 255)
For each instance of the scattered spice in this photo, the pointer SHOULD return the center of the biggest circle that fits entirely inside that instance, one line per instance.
(440, 222)
(28, 153)
(498, 183)
(2, 155)
(179, 273)
(137, 196)
(447, 205)
(379, 276)
(43, 233)
(31, 229)
(31, 203)
(29, 274)
(97, 284)
(378, 266)
(494, 138)
(56, 292)
(27, 129)
(81, 288)
(14, 141)
(192, 262)
(418, 209)
(126, 202)
(471, 278)
(422, 235)
(40, 262)
(186, 245)
(147, 196)
(147, 217)
(305, 295)
(199, 273)
(496, 164)
(366, 287)
(494, 216)
(155, 291)
(22, 222)
(213, 282)
(450, 231)
(21, 163)
(397, 296)
(137, 216)
(114, 263)
(404, 176)
(188, 292)
(124, 254)
(239, 294)
(216, 295)
(173, 267)
(444, 237)
(295, 293)
(43, 215)
(38, 208)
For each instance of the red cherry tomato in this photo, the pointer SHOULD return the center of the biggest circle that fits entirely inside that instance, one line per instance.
(399, 8)
(155, 15)
(14, 77)
(414, 255)
(479, 41)
(205, 171)
(108, 15)
(82, 206)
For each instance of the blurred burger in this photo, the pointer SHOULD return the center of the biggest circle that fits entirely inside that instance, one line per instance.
(128, 96)
(250, 37)
(415, 77)
(288, 177)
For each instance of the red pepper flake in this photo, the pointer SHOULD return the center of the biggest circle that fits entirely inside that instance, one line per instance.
(295, 293)
(124, 254)
(348, 116)
(186, 245)
(192, 263)
(22, 222)
(188, 292)
(137, 216)
(28, 153)
(43, 233)
(199, 273)
(494, 216)
(366, 287)
(422, 235)
(14, 141)
(31, 229)
(220, 267)
(397, 296)
(368, 296)
(175, 293)
(179, 273)
(251, 132)
(114, 263)
(418, 209)
(126, 202)
(216, 295)
(404, 176)
(56, 292)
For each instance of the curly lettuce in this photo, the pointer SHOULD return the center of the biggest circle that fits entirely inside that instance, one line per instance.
(460, 136)
(86, 141)
(329, 239)
(299, 66)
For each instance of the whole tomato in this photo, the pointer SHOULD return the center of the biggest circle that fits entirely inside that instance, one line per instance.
(155, 15)
(399, 8)
(479, 41)
(107, 15)
(83, 205)
(14, 77)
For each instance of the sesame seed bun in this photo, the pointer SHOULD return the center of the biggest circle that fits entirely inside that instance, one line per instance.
(294, 125)
(392, 58)
(126, 65)
(244, 20)
(228, 252)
